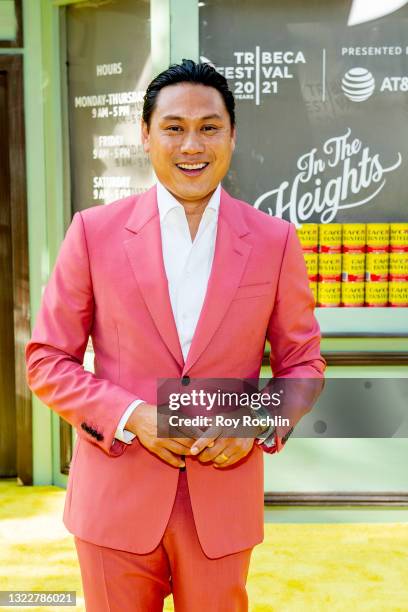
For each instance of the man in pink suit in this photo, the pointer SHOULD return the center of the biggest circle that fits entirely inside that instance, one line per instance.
(182, 282)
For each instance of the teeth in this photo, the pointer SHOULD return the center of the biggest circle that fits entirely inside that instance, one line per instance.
(192, 166)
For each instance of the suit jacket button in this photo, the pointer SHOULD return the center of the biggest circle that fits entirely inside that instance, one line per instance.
(185, 381)
(99, 437)
(84, 426)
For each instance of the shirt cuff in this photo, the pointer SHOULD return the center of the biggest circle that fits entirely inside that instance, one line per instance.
(269, 433)
(123, 434)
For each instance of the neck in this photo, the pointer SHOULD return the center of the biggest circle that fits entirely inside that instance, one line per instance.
(194, 208)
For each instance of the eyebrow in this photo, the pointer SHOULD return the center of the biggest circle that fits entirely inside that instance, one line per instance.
(177, 118)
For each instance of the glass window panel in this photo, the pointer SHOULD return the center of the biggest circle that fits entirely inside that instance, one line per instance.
(109, 68)
(321, 106)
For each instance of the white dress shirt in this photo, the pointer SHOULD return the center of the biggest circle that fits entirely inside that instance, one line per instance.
(188, 265)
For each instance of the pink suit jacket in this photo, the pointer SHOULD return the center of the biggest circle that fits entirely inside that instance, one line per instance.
(109, 282)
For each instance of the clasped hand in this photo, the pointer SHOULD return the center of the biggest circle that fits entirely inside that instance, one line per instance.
(212, 446)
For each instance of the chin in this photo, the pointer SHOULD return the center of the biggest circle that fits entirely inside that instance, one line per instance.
(193, 191)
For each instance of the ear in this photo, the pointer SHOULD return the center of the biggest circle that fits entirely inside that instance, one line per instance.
(233, 137)
(145, 136)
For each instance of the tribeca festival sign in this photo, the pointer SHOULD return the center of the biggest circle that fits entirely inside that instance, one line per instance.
(258, 73)
(360, 177)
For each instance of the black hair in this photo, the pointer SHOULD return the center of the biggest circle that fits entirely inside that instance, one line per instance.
(188, 72)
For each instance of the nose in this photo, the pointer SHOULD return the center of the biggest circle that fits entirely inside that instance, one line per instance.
(192, 142)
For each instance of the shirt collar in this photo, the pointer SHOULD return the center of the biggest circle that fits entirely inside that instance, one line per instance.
(166, 201)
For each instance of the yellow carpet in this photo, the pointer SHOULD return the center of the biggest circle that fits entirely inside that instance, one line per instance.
(299, 567)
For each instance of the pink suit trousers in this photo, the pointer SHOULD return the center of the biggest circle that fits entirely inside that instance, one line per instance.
(120, 581)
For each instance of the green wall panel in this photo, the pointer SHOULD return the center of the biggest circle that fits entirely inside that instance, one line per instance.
(8, 23)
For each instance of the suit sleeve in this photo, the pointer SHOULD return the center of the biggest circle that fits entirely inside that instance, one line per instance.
(54, 355)
(294, 336)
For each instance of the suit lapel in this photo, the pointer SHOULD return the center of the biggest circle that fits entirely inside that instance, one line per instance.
(144, 250)
(230, 258)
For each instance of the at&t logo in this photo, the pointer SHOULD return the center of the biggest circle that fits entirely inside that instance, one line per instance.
(358, 84)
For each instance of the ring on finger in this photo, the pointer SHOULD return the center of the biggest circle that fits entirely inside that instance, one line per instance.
(221, 458)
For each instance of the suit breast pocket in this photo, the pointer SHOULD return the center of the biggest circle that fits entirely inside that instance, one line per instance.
(252, 291)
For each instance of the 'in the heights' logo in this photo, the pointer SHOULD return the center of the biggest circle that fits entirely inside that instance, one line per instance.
(343, 173)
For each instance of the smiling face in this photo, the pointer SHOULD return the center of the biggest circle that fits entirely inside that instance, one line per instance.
(190, 141)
